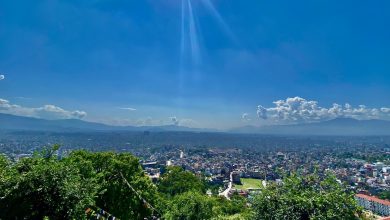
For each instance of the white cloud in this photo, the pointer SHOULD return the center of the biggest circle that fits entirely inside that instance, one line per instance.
(186, 122)
(129, 109)
(261, 112)
(174, 120)
(149, 121)
(46, 111)
(385, 110)
(245, 117)
(145, 122)
(55, 112)
(23, 98)
(2, 77)
(297, 110)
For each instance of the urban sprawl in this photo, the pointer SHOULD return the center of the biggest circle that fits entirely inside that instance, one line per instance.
(361, 164)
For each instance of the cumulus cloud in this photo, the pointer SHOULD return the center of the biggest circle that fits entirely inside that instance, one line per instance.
(46, 111)
(174, 120)
(55, 112)
(2, 77)
(385, 110)
(245, 117)
(298, 110)
(261, 112)
(186, 122)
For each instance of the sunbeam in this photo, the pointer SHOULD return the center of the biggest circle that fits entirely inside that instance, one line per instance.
(190, 32)
(182, 46)
(182, 43)
(195, 50)
(209, 6)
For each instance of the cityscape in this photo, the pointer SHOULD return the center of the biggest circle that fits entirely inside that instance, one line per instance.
(243, 165)
(194, 110)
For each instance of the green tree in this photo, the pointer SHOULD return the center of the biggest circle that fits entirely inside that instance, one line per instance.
(190, 206)
(113, 172)
(236, 205)
(384, 195)
(45, 186)
(42, 186)
(305, 198)
(176, 181)
(235, 208)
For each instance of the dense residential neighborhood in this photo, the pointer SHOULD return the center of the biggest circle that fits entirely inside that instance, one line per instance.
(361, 165)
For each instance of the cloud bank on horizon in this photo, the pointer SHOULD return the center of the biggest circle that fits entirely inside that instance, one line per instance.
(291, 110)
(52, 112)
(300, 110)
(186, 122)
(44, 112)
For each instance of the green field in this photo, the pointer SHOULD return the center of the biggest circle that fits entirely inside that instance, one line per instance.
(248, 183)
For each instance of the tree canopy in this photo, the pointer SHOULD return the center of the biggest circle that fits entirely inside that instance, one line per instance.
(44, 185)
(176, 181)
(303, 198)
(190, 206)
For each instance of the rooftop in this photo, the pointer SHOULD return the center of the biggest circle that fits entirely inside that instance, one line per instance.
(373, 199)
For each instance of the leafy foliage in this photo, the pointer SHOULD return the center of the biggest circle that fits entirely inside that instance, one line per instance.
(305, 198)
(190, 206)
(114, 195)
(236, 205)
(176, 181)
(44, 185)
(384, 195)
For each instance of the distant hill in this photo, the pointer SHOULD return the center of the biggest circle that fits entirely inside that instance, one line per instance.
(13, 122)
(20, 123)
(338, 126)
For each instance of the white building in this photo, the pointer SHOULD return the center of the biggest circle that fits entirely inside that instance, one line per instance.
(386, 169)
(377, 206)
(379, 165)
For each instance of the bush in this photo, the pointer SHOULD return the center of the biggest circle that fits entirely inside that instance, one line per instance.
(305, 198)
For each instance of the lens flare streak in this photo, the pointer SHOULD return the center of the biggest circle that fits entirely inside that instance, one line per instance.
(190, 32)
(210, 7)
(195, 50)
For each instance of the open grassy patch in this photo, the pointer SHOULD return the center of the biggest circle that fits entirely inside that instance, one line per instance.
(248, 183)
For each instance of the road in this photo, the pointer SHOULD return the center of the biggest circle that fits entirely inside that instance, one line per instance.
(226, 192)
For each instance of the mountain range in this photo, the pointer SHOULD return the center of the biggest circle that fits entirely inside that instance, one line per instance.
(338, 126)
(21, 123)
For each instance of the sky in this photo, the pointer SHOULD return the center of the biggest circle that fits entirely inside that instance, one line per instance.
(197, 63)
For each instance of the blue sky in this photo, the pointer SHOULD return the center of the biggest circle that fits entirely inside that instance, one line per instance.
(98, 57)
